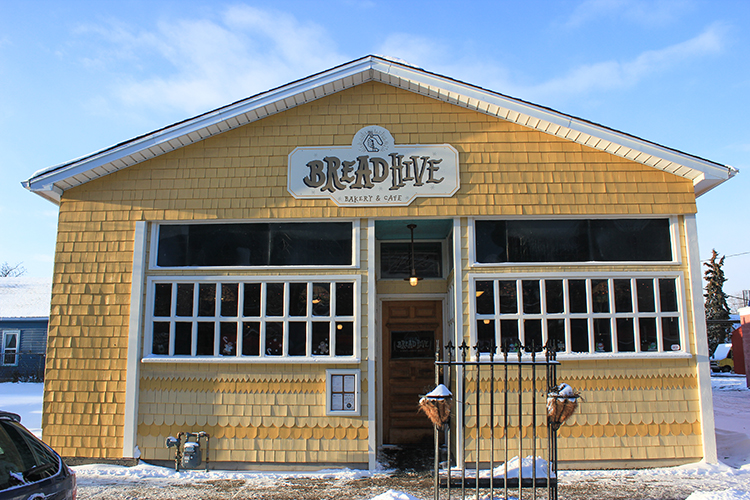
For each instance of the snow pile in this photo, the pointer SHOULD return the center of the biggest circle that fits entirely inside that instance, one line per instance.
(526, 467)
(730, 494)
(394, 495)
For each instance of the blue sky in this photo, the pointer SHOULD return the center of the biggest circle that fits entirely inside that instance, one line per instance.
(78, 76)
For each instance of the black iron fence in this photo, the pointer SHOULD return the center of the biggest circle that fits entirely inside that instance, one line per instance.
(498, 415)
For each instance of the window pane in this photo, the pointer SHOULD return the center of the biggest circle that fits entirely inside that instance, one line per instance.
(274, 339)
(345, 338)
(395, 260)
(163, 299)
(668, 295)
(485, 335)
(554, 296)
(648, 334)
(274, 299)
(623, 296)
(344, 299)
(628, 240)
(228, 341)
(556, 334)
(645, 289)
(321, 343)
(509, 335)
(577, 296)
(602, 335)
(297, 338)
(321, 300)
(548, 241)
(508, 300)
(252, 300)
(625, 335)
(297, 299)
(491, 241)
(160, 343)
(579, 335)
(229, 299)
(185, 299)
(531, 301)
(207, 299)
(485, 296)
(670, 328)
(183, 338)
(533, 335)
(251, 338)
(205, 339)
(600, 296)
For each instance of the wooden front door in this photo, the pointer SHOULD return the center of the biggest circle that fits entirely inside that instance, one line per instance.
(411, 332)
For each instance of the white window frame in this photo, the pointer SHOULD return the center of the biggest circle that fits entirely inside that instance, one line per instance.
(674, 230)
(6, 334)
(154, 246)
(152, 281)
(355, 411)
(681, 314)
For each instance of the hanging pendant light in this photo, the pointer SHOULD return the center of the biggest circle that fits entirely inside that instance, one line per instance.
(412, 279)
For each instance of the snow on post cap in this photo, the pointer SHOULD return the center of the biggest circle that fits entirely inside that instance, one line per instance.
(439, 392)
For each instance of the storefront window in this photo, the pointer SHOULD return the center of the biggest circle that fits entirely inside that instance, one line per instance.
(578, 315)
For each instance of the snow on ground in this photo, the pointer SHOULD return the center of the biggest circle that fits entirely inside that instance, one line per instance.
(729, 480)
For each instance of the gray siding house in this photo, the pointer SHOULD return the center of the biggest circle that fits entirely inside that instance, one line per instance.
(24, 316)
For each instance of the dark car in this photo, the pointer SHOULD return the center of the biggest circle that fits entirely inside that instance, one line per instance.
(29, 469)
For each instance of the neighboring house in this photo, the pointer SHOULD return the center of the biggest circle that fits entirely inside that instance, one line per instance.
(243, 273)
(24, 314)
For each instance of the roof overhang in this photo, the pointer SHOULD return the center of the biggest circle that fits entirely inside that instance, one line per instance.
(52, 182)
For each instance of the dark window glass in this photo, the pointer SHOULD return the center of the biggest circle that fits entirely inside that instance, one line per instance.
(251, 338)
(160, 343)
(321, 342)
(668, 295)
(163, 299)
(556, 334)
(602, 335)
(183, 338)
(408, 343)
(625, 335)
(670, 328)
(630, 240)
(554, 296)
(274, 299)
(623, 296)
(600, 296)
(344, 299)
(230, 299)
(297, 338)
(344, 338)
(256, 244)
(228, 340)
(21, 452)
(274, 339)
(577, 296)
(395, 260)
(509, 335)
(531, 297)
(600, 240)
(485, 294)
(508, 297)
(648, 334)
(532, 330)
(206, 333)
(297, 299)
(485, 335)
(321, 299)
(207, 299)
(645, 290)
(252, 300)
(185, 299)
(579, 335)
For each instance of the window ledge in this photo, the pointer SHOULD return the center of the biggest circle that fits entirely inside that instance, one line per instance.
(301, 360)
(585, 356)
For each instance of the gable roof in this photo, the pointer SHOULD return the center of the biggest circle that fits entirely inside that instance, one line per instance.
(25, 298)
(50, 183)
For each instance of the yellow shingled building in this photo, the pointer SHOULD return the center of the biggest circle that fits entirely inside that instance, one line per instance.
(245, 273)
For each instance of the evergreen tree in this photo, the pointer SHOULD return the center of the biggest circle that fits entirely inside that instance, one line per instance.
(716, 302)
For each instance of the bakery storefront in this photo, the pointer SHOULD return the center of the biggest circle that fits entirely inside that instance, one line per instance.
(279, 272)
